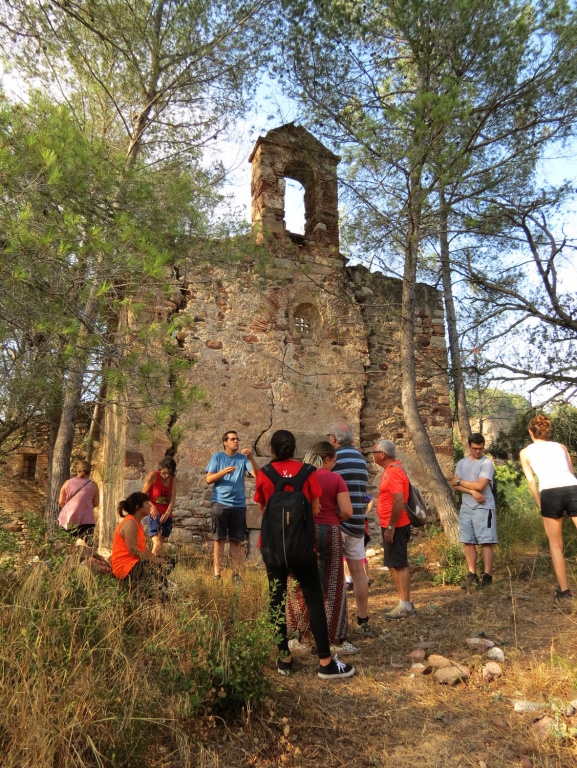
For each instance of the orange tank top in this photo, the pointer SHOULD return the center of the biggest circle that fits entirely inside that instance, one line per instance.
(122, 561)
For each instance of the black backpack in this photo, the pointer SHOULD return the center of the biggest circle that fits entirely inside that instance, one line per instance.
(288, 529)
(415, 506)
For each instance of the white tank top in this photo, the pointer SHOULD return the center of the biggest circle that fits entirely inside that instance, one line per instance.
(549, 462)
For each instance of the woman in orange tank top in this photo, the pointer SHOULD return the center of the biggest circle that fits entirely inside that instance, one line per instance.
(129, 554)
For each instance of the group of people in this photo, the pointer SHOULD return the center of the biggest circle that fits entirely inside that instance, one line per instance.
(308, 598)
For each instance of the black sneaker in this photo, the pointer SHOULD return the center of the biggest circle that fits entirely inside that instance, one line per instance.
(349, 586)
(284, 667)
(486, 580)
(217, 576)
(471, 582)
(563, 594)
(335, 670)
(236, 577)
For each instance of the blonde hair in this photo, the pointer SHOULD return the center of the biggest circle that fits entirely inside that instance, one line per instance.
(540, 427)
(318, 452)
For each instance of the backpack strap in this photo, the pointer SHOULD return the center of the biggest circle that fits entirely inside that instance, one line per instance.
(297, 482)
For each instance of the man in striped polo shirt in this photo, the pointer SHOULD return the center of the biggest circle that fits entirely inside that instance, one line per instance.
(352, 467)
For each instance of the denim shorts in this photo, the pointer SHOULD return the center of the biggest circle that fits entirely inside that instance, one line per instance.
(555, 501)
(477, 526)
(155, 527)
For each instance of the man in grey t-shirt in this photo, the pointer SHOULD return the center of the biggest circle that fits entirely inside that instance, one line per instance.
(477, 524)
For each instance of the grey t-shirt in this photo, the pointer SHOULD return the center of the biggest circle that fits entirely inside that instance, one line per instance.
(473, 470)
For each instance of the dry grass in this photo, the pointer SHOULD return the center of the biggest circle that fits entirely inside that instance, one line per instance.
(111, 681)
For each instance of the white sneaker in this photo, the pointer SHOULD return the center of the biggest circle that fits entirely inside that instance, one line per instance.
(345, 648)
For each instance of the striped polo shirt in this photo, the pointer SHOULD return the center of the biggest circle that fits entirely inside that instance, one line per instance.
(352, 467)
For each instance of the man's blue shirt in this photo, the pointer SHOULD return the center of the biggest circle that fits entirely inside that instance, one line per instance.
(229, 490)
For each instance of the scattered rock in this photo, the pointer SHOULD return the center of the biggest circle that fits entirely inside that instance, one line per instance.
(525, 761)
(543, 726)
(569, 711)
(520, 705)
(424, 645)
(449, 676)
(435, 660)
(479, 643)
(418, 653)
(491, 671)
(496, 654)
(418, 669)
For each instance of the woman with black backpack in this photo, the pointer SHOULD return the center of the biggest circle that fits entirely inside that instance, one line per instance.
(287, 546)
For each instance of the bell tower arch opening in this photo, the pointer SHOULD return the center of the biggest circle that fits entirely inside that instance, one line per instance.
(294, 206)
(292, 153)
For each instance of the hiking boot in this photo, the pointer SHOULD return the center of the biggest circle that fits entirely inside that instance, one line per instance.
(344, 647)
(335, 670)
(563, 594)
(236, 577)
(284, 667)
(486, 580)
(400, 612)
(217, 576)
(471, 582)
(365, 630)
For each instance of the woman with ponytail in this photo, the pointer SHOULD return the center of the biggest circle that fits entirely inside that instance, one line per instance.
(130, 558)
(557, 492)
(335, 505)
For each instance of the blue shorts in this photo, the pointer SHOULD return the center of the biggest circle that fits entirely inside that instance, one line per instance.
(155, 527)
(477, 526)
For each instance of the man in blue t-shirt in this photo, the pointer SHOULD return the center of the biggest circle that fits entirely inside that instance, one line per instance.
(226, 471)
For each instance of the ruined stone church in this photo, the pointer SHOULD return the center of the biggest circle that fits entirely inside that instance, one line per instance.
(306, 342)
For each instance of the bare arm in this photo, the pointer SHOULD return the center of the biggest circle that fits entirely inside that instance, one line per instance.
(316, 505)
(96, 496)
(530, 477)
(146, 488)
(214, 477)
(167, 514)
(398, 506)
(62, 496)
(129, 533)
(344, 505)
(474, 485)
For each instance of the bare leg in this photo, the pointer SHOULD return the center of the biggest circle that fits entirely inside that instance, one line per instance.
(218, 555)
(471, 557)
(235, 550)
(402, 579)
(554, 531)
(488, 558)
(157, 542)
(360, 587)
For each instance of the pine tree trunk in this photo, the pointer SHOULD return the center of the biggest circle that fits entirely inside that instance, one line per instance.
(443, 495)
(60, 465)
(454, 351)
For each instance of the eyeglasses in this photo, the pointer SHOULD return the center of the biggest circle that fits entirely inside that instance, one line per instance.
(477, 447)
(375, 452)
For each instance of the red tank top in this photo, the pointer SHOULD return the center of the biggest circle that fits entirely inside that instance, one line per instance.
(122, 561)
(160, 494)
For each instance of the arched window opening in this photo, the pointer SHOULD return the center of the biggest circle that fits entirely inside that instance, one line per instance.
(294, 207)
(307, 321)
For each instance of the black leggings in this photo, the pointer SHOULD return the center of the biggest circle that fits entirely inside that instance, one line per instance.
(309, 580)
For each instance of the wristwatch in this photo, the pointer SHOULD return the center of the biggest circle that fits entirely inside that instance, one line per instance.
(390, 527)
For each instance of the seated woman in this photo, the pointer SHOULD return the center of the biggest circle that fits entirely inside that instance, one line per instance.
(282, 448)
(78, 499)
(335, 505)
(130, 558)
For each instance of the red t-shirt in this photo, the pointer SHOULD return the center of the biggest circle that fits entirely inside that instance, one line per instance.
(393, 480)
(289, 468)
(331, 484)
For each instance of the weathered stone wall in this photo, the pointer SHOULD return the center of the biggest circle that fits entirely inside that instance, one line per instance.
(297, 345)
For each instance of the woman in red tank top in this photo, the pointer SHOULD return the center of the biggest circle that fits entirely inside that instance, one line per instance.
(161, 488)
(129, 554)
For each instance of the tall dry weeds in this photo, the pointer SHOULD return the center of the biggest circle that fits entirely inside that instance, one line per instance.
(91, 675)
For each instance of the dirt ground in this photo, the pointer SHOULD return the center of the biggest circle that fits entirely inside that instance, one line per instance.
(388, 716)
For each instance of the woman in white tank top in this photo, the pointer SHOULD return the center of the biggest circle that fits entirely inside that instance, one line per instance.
(558, 491)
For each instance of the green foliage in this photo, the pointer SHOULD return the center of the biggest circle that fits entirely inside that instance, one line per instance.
(453, 566)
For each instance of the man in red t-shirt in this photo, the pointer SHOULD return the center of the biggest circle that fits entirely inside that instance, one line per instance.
(395, 524)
